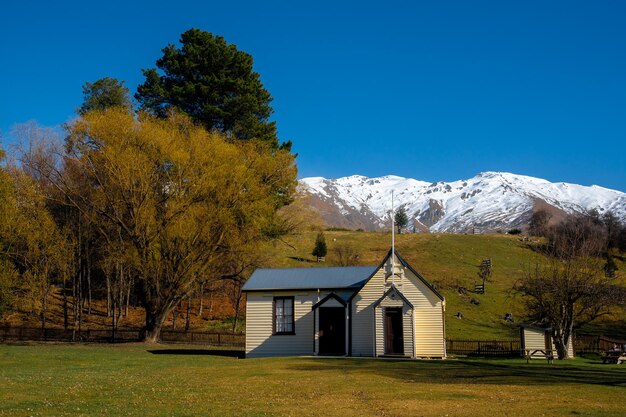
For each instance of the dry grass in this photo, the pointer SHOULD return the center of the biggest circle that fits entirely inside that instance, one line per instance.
(64, 380)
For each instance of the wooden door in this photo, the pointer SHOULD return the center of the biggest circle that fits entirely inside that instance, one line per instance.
(332, 327)
(394, 338)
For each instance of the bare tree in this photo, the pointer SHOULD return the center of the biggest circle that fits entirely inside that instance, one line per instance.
(577, 235)
(346, 255)
(569, 289)
(538, 225)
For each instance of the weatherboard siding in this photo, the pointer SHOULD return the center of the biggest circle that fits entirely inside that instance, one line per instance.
(260, 342)
(427, 317)
(407, 329)
(535, 339)
(363, 315)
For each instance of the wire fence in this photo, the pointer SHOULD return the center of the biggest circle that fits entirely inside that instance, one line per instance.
(120, 335)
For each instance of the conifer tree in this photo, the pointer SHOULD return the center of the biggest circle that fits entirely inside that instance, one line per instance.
(401, 219)
(320, 248)
(214, 83)
(104, 93)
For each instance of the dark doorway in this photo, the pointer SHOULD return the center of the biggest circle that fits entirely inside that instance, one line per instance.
(332, 331)
(394, 339)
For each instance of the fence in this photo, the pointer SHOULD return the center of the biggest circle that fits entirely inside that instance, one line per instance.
(486, 348)
(205, 338)
(122, 335)
(596, 344)
(512, 348)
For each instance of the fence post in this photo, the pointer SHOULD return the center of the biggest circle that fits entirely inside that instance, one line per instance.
(219, 340)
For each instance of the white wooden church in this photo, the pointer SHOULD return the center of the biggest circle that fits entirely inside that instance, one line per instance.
(385, 310)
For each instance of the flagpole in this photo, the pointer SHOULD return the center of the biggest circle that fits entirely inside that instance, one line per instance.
(393, 244)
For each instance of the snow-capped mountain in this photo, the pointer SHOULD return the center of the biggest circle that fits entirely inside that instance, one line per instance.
(489, 201)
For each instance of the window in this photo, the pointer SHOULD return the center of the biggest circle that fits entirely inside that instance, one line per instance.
(283, 315)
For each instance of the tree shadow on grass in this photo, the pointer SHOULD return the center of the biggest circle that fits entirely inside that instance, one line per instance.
(478, 371)
(301, 259)
(211, 352)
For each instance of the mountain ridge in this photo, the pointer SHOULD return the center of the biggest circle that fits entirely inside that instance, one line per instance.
(489, 201)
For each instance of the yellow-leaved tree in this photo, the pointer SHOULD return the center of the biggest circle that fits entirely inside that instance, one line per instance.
(173, 201)
(33, 252)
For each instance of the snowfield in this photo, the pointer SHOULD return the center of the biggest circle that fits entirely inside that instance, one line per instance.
(488, 201)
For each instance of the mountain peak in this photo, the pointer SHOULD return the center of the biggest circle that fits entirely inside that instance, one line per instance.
(489, 201)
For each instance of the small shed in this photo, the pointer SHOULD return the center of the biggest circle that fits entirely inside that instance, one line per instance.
(537, 339)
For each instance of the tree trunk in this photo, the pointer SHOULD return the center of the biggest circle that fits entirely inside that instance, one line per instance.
(120, 294)
(154, 323)
(237, 305)
(174, 316)
(88, 285)
(65, 317)
(108, 283)
(201, 300)
(128, 287)
(188, 315)
(44, 305)
(560, 345)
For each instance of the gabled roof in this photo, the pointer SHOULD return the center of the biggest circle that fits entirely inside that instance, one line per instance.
(393, 289)
(533, 327)
(328, 297)
(410, 268)
(326, 278)
(352, 277)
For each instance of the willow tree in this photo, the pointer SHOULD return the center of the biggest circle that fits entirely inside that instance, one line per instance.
(176, 198)
(33, 251)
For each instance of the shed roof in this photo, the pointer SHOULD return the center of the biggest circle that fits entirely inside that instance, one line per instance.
(351, 277)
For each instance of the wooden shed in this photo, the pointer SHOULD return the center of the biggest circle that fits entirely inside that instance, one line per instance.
(384, 310)
(537, 340)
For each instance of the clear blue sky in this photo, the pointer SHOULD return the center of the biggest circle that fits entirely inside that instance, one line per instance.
(434, 90)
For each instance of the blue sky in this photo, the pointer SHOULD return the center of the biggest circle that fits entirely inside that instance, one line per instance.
(435, 90)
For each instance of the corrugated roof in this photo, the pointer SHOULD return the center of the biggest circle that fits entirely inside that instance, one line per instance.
(309, 278)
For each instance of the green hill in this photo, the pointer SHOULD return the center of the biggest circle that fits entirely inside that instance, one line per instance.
(449, 261)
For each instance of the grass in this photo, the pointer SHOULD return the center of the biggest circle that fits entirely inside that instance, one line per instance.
(64, 380)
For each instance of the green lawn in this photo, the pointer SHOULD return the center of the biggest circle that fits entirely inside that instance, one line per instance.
(63, 380)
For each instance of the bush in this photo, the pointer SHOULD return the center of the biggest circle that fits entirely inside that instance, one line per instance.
(514, 232)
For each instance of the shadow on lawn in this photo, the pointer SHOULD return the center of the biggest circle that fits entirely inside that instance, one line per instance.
(479, 371)
(229, 353)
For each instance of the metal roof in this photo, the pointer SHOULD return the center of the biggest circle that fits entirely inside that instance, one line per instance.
(309, 278)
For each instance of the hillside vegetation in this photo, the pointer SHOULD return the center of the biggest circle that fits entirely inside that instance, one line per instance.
(449, 261)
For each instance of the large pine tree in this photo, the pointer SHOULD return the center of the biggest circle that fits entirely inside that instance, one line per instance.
(214, 83)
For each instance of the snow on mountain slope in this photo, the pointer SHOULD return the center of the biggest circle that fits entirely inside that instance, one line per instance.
(489, 201)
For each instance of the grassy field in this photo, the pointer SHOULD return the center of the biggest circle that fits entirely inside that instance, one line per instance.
(449, 261)
(74, 380)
